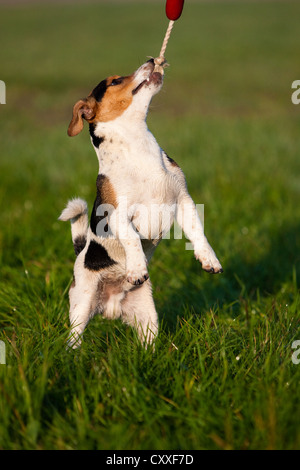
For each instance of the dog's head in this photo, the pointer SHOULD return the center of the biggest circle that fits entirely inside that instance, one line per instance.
(117, 97)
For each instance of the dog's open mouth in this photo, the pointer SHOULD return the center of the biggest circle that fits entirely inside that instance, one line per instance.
(154, 77)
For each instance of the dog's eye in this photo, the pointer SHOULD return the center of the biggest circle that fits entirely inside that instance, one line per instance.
(116, 81)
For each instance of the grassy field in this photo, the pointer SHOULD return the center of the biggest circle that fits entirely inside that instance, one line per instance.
(222, 375)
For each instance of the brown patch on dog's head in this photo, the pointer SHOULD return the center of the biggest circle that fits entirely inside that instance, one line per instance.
(117, 98)
(108, 100)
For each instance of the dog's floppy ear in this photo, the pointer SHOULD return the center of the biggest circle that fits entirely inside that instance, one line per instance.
(83, 109)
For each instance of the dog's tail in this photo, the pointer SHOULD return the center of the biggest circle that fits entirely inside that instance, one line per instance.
(77, 212)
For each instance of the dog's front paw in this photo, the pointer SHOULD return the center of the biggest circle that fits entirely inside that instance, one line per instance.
(209, 261)
(137, 277)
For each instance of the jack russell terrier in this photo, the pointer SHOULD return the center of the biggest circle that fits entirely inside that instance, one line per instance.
(140, 190)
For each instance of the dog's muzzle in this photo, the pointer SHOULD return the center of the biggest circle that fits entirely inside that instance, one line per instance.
(148, 76)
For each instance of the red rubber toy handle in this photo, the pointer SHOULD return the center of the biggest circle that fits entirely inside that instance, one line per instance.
(174, 9)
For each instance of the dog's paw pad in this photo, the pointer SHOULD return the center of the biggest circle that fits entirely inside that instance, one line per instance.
(209, 262)
(136, 277)
(212, 270)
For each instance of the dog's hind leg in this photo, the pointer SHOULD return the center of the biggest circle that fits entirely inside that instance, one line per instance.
(138, 310)
(82, 305)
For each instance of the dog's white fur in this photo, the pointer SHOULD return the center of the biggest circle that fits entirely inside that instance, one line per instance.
(134, 169)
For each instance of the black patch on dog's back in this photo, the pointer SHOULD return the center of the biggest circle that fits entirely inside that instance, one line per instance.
(79, 244)
(95, 219)
(97, 141)
(97, 258)
(99, 90)
(173, 163)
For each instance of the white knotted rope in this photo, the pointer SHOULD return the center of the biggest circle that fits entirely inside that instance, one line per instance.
(160, 61)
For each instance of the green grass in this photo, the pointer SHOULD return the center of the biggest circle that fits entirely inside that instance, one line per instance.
(221, 376)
